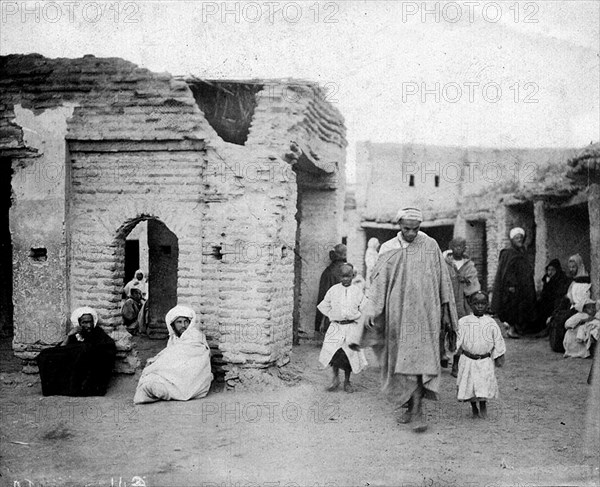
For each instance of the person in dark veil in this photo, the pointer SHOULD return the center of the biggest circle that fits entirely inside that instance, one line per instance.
(514, 297)
(82, 364)
(331, 276)
(555, 284)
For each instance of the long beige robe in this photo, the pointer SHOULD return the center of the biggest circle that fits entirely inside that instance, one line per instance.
(407, 292)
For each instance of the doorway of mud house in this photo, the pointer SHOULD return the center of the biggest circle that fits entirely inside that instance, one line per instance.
(153, 248)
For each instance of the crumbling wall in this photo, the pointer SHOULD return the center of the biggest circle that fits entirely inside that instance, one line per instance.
(117, 109)
(38, 238)
(249, 229)
(247, 256)
(139, 148)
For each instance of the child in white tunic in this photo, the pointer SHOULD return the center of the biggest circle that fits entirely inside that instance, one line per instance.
(342, 305)
(483, 348)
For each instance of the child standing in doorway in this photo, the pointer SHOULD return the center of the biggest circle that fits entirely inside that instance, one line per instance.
(342, 305)
(480, 340)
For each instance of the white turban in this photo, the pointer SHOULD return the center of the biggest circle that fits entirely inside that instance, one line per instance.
(516, 231)
(410, 214)
(179, 312)
(84, 310)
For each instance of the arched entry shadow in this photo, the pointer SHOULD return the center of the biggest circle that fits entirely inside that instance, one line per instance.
(163, 261)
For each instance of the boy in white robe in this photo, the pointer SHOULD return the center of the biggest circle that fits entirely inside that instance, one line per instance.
(342, 305)
(483, 348)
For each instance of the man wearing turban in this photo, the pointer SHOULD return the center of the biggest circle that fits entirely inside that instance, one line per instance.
(82, 364)
(410, 299)
(514, 295)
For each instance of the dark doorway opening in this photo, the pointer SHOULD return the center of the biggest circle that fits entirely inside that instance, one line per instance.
(163, 260)
(381, 234)
(132, 259)
(6, 274)
(153, 248)
(442, 234)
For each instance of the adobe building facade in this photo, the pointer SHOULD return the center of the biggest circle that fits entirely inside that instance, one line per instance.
(241, 186)
(476, 193)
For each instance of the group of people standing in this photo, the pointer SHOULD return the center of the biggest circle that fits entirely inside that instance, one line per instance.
(421, 303)
(418, 304)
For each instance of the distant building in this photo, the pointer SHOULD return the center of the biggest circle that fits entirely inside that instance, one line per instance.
(477, 193)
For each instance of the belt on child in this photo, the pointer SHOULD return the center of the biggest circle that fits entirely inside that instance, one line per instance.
(344, 322)
(474, 356)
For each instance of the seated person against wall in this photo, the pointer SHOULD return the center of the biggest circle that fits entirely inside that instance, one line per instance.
(182, 370)
(131, 310)
(140, 281)
(83, 363)
(554, 288)
(582, 329)
(578, 292)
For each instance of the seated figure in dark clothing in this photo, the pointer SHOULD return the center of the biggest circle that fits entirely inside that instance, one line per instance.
(82, 364)
(554, 288)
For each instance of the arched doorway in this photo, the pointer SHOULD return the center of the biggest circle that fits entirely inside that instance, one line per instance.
(156, 252)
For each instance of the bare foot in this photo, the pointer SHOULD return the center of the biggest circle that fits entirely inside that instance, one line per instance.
(334, 385)
(348, 387)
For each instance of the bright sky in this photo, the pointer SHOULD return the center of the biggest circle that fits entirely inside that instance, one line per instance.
(499, 74)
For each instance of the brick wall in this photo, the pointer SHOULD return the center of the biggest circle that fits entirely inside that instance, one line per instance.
(140, 149)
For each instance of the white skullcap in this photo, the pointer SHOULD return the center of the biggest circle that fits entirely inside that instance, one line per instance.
(410, 214)
(516, 231)
(84, 310)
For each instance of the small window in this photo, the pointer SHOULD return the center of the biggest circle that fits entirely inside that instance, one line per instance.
(216, 252)
(38, 254)
(345, 240)
(437, 181)
(411, 180)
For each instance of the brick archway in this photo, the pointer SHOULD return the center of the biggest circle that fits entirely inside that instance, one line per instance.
(163, 262)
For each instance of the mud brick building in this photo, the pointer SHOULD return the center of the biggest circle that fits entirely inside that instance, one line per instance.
(585, 170)
(478, 193)
(241, 185)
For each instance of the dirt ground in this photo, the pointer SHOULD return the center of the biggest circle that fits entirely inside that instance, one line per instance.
(294, 433)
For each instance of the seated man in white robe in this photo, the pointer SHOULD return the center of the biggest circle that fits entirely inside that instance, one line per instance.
(182, 370)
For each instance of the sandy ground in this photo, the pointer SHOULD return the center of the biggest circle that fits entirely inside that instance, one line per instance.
(295, 433)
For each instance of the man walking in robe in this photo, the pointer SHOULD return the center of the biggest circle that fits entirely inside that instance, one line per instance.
(410, 299)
